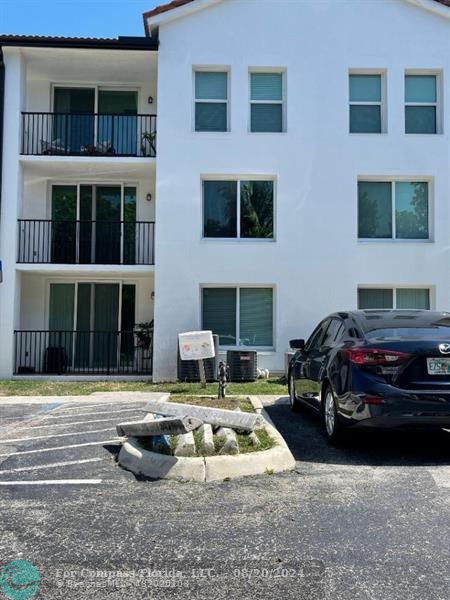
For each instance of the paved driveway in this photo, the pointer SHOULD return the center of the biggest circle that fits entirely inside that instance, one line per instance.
(370, 521)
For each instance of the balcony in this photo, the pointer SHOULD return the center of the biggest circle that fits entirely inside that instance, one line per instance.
(48, 352)
(92, 134)
(45, 241)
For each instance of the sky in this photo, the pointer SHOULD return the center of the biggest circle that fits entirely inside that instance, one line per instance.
(79, 18)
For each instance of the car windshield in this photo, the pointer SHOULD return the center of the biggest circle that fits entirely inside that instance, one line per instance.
(437, 332)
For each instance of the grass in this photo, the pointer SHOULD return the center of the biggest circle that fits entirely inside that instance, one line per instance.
(219, 441)
(273, 387)
(266, 442)
(245, 444)
(228, 403)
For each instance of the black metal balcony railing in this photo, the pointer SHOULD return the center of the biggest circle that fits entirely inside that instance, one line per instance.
(47, 241)
(96, 134)
(81, 353)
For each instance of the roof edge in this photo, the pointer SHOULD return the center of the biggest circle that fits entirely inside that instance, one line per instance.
(438, 7)
(141, 43)
(171, 11)
(179, 8)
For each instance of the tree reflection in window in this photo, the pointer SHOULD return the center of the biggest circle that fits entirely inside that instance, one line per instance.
(219, 209)
(375, 209)
(257, 209)
(411, 209)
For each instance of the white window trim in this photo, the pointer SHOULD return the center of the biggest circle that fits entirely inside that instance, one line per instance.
(282, 72)
(211, 69)
(438, 104)
(393, 239)
(238, 287)
(382, 103)
(238, 179)
(394, 288)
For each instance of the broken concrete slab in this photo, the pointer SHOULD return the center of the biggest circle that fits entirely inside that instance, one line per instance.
(168, 426)
(215, 416)
(207, 440)
(254, 439)
(185, 445)
(230, 445)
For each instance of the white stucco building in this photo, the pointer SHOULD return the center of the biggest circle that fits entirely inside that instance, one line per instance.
(300, 166)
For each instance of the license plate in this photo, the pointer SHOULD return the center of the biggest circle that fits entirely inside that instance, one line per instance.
(438, 366)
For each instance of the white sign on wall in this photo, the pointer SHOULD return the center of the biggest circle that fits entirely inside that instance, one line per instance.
(196, 345)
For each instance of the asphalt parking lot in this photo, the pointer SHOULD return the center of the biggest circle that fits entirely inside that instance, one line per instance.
(368, 521)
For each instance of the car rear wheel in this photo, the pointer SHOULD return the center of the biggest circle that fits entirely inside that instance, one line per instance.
(333, 429)
(293, 400)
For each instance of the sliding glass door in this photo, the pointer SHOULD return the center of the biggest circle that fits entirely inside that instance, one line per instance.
(117, 121)
(98, 320)
(77, 129)
(94, 224)
(64, 230)
(74, 121)
(61, 321)
(108, 224)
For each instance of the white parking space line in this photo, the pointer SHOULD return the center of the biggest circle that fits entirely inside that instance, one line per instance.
(53, 435)
(103, 405)
(54, 482)
(50, 466)
(88, 414)
(22, 452)
(68, 424)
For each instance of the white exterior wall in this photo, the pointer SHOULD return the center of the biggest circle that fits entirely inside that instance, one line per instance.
(11, 204)
(316, 262)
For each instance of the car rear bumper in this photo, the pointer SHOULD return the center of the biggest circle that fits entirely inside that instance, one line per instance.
(404, 422)
(398, 410)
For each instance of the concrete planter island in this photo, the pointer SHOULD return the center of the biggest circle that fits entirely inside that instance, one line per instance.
(154, 465)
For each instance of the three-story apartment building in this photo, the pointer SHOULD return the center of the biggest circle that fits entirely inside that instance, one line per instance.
(301, 166)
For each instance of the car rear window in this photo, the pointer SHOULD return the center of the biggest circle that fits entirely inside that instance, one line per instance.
(439, 332)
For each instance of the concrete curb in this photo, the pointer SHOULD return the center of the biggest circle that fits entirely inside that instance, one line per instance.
(210, 468)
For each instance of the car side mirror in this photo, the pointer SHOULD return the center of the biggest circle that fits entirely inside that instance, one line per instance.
(297, 344)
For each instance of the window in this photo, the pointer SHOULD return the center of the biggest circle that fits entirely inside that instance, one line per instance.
(409, 298)
(266, 102)
(211, 101)
(393, 210)
(421, 104)
(366, 103)
(333, 333)
(238, 209)
(315, 339)
(240, 316)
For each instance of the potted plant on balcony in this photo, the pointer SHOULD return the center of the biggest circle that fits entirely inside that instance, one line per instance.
(148, 142)
(144, 334)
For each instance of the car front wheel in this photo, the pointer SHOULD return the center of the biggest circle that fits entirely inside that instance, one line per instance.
(293, 400)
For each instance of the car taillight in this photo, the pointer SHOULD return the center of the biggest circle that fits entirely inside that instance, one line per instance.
(375, 356)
